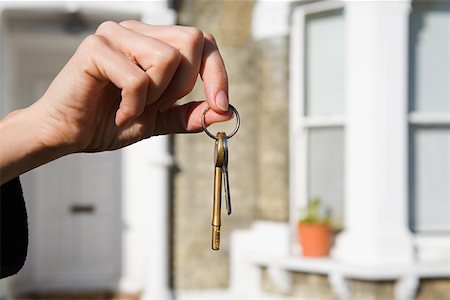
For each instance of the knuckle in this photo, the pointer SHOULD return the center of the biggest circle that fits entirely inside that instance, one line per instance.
(92, 41)
(106, 27)
(167, 56)
(128, 23)
(172, 55)
(137, 81)
(209, 37)
(193, 34)
(192, 37)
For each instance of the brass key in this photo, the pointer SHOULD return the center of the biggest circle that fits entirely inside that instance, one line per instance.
(220, 173)
(219, 157)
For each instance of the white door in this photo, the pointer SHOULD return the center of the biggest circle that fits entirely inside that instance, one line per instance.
(77, 221)
(74, 202)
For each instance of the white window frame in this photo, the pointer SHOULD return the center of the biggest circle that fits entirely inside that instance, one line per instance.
(299, 124)
(431, 246)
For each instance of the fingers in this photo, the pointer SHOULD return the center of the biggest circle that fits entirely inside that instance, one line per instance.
(160, 63)
(187, 118)
(158, 59)
(189, 42)
(214, 76)
(106, 64)
(200, 55)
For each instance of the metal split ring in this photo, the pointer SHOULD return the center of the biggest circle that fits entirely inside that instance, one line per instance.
(238, 123)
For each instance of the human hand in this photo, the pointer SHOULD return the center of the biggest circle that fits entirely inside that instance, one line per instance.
(122, 83)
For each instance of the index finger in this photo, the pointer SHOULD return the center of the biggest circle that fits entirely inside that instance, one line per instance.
(214, 76)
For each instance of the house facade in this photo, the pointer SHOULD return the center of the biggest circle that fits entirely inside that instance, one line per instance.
(348, 101)
(343, 100)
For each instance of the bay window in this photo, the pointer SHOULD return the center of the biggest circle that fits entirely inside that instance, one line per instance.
(429, 117)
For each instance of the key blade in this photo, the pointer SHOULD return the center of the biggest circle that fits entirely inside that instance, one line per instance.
(226, 184)
(226, 181)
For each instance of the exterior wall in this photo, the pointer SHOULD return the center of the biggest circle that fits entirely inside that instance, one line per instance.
(259, 152)
(273, 144)
(258, 73)
(196, 266)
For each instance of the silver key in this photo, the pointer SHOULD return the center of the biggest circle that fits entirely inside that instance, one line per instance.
(226, 180)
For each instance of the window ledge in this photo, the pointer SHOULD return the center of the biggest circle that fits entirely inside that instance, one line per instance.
(406, 276)
(328, 266)
(249, 253)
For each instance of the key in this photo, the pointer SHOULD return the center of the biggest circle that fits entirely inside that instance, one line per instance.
(220, 173)
(226, 180)
(219, 157)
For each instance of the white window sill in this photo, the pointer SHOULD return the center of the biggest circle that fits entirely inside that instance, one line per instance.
(327, 266)
(266, 245)
(406, 277)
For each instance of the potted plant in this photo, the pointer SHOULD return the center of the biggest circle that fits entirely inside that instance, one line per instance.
(314, 230)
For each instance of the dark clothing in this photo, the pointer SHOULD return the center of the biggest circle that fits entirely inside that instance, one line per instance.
(14, 228)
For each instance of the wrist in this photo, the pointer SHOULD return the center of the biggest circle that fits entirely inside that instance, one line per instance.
(24, 145)
(50, 134)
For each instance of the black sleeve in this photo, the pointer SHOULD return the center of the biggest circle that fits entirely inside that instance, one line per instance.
(14, 228)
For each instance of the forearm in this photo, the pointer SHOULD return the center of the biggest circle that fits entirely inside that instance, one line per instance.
(22, 146)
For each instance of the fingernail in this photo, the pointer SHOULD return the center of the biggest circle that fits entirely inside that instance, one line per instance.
(222, 100)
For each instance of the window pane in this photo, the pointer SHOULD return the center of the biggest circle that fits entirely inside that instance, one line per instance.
(324, 61)
(430, 57)
(326, 169)
(430, 186)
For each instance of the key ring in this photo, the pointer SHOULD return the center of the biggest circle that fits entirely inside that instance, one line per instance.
(238, 123)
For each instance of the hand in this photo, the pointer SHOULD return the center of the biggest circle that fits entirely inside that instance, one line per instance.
(122, 83)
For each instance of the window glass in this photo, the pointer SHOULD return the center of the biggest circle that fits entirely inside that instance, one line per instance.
(326, 169)
(430, 57)
(324, 63)
(431, 178)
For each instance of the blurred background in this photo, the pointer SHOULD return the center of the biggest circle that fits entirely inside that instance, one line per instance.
(345, 124)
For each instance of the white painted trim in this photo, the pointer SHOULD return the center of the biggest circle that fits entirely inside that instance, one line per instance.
(321, 6)
(255, 248)
(421, 118)
(146, 218)
(299, 123)
(123, 7)
(329, 121)
(433, 247)
(327, 266)
(297, 147)
(376, 202)
(155, 12)
(270, 19)
(245, 277)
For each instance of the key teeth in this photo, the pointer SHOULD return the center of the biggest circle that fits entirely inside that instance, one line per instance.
(215, 245)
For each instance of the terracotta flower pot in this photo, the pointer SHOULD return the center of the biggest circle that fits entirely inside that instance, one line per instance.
(315, 239)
